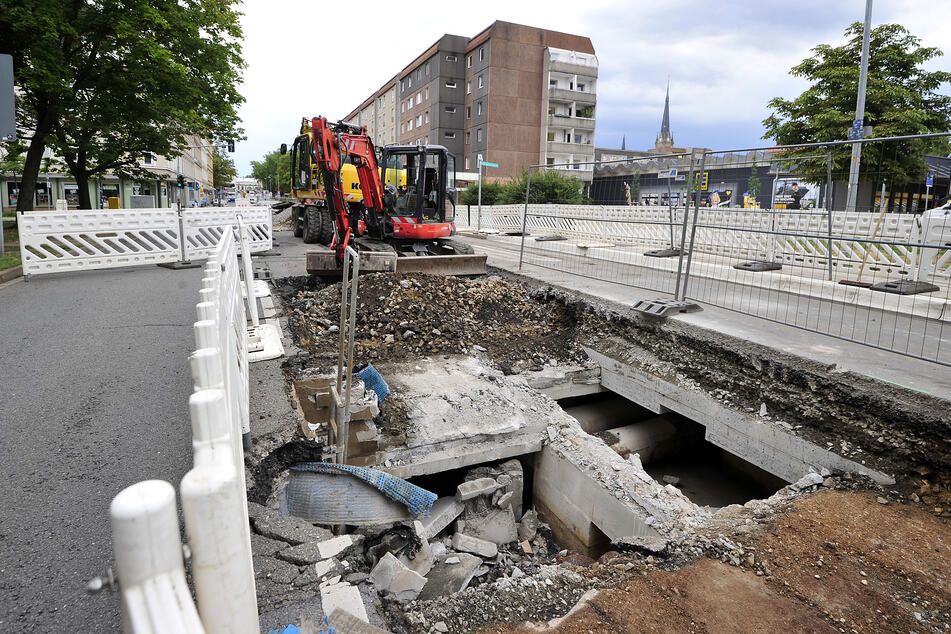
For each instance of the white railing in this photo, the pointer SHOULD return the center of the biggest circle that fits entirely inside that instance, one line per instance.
(729, 232)
(55, 241)
(214, 500)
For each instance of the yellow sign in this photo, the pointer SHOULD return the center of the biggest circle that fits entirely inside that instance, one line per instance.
(703, 181)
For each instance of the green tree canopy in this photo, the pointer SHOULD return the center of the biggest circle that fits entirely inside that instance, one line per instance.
(273, 170)
(902, 98)
(222, 169)
(106, 82)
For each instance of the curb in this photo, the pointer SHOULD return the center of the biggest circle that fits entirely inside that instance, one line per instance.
(9, 274)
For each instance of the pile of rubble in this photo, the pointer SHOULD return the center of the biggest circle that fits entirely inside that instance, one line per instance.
(419, 314)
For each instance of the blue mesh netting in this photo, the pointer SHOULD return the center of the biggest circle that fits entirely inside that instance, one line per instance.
(373, 381)
(416, 499)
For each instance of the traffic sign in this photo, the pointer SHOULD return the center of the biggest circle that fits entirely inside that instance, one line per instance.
(930, 181)
(671, 173)
(487, 164)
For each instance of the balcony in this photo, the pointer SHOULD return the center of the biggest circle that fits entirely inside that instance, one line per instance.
(564, 121)
(563, 94)
(559, 147)
(584, 70)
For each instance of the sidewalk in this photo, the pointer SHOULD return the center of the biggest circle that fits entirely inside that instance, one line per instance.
(923, 376)
(95, 386)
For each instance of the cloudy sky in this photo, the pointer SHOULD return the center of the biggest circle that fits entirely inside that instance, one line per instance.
(726, 59)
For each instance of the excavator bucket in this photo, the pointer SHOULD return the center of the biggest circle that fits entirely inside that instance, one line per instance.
(324, 263)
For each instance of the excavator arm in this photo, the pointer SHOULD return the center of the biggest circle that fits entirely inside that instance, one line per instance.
(332, 143)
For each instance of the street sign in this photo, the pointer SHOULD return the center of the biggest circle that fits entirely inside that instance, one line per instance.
(671, 173)
(703, 180)
(856, 131)
(8, 122)
(930, 181)
(680, 177)
(487, 164)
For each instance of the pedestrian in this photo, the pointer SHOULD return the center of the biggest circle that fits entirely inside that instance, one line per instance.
(796, 195)
(715, 198)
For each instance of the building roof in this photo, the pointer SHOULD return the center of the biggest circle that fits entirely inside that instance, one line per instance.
(556, 39)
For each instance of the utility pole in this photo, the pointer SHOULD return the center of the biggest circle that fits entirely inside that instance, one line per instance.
(479, 221)
(857, 131)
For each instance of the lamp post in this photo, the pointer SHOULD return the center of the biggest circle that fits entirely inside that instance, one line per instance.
(858, 125)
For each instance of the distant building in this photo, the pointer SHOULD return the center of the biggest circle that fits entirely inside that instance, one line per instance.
(517, 95)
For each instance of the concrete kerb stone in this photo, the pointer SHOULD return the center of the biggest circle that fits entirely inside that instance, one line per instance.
(474, 545)
(475, 488)
(391, 575)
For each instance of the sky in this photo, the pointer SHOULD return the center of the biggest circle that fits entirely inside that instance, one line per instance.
(725, 59)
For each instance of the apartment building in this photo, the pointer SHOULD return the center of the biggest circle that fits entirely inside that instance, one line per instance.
(379, 114)
(514, 94)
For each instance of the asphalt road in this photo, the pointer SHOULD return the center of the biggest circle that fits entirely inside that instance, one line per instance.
(94, 386)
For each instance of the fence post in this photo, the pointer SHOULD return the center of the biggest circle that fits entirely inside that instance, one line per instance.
(693, 231)
(148, 550)
(683, 233)
(528, 188)
(828, 204)
(248, 271)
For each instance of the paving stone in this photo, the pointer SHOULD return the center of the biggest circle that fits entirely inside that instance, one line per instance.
(443, 512)
(445, 578)
(345, 597)
(469, 544)
(474, 488)
(390, 575)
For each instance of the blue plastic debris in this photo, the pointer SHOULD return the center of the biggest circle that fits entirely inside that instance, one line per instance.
(417, 499)
(290, 629)
(373, 381)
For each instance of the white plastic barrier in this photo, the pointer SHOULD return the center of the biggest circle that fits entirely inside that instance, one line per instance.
(214, 498)
(55, 241)
(155, 596)
(78, 240)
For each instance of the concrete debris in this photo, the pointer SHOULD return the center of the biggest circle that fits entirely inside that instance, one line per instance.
(474, 545)
(390, 575)
(475, 488)
(345, 597)
(442, 514)
(504, 500)
(333, 547)
(496, 525)
(422, 561)
(669, 479)
(528, 527)
(343, 621)
(448, 578)
(809, 480)
(294, 531)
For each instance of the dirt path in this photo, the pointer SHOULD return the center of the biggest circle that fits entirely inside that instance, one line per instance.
(840, 561)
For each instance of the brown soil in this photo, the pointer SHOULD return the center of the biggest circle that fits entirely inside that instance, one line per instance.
(402, 317)
(840, 561)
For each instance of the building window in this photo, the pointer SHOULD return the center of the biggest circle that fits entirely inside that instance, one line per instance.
(481, 53)
(427, 69)
(467, 138)
(419, 120)
(409, 82)
(451, 83)
(427, 93)
(148, 159)
(581, 87)
(469, 63)
(419, 98)
(468, 87)
(468, 112)
(480, 81)
(551, 137)
(451, 109)
(427, 141)
(403, 85)
(550, 161)
(450, 135)
(426, 114)
(451, 58)
(402, 128)
(553, 83)
(419, 74)
(479, 135)
(409, 125)
(479, 109)
(586, 112)
(402, 107)
(467, 163)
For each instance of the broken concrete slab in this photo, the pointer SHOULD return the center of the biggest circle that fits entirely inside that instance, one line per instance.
(516, 486)
(335, 546)
(261, 545)
(302, 554)
(345, 597)
(391, 575)
(422, 562)
(528, 527)
(474, 545)
(474, 488)
(496, 526)
(292, 530)
(445, 578)
(441, 515)
(343, 621)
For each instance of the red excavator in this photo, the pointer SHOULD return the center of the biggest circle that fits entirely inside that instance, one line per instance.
(405, 225)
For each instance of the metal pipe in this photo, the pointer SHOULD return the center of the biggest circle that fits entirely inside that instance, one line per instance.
(683, 232)
(829, 208)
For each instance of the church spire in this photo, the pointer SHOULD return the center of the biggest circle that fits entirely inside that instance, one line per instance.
(665, 138)
(623, 142)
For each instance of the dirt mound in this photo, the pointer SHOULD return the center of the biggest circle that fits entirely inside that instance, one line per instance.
(419, 314)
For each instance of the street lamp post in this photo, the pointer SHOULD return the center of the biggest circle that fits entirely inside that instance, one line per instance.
(858, 124)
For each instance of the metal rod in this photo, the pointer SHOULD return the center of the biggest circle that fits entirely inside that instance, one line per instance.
(683, 231)
(828, 205)
(354, 281)
(528, 188)
(859, 111)
(693, 231)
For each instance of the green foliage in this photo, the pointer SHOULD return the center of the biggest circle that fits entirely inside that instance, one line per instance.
(636, 188)
(274, 171)
(14, 156)
(902, 98)
(222, 169)
(548, 186)
(753, 186)
(105, 83)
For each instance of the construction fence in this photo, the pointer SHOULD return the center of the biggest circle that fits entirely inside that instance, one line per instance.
(743, 230)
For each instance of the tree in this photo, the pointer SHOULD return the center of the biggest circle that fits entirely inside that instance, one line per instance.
(753, 185)
(106, 83)
(222, 169)
(548, 186)
(902, 99)
(491, 191)
(273, 170)
(636, 188)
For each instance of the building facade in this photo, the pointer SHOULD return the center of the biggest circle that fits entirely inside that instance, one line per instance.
(516, 95)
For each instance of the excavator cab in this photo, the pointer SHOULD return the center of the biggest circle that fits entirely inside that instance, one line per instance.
(421, 181)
